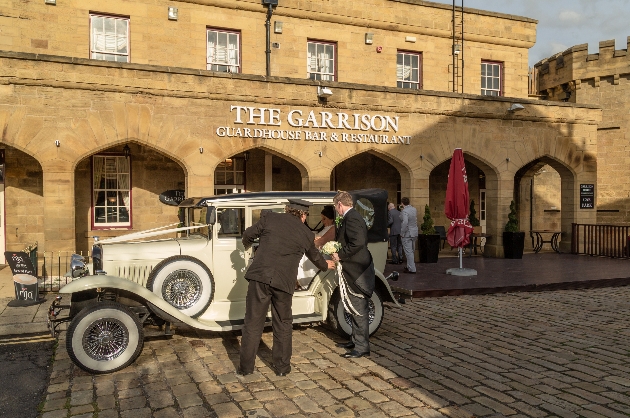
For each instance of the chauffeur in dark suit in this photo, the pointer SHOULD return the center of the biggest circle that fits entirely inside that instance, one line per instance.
(358, 270)
(284, 239)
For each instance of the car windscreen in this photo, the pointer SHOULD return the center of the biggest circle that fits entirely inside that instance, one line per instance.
(196, 218)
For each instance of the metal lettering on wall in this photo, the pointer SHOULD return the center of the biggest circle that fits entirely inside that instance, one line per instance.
(587, 196)
(375, 129)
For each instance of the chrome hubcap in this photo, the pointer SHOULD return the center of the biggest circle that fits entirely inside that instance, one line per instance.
(182, 289)
(105, 339)
(371, 310)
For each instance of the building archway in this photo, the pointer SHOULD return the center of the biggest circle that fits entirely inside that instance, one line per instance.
(257, 170)
(367, 170)
(545, 197)
(483, 188)
(477, 190)
(115, 193)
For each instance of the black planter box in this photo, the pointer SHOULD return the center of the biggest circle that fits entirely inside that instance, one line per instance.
(429, 247)
(513, 244)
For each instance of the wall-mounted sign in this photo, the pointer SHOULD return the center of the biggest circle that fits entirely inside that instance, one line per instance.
(587, 196)
(24, 279)
(265, 123)
(172, 197)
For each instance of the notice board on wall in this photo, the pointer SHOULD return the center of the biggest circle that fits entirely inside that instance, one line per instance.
(587, 196)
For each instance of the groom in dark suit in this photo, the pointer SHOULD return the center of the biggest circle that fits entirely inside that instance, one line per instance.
(358, 270)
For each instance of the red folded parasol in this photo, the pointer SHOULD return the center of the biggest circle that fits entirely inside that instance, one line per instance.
(457, 201)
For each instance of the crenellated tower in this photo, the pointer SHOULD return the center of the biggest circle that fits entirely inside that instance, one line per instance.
(601, 79)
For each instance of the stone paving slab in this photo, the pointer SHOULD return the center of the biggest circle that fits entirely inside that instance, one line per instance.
(551, 354)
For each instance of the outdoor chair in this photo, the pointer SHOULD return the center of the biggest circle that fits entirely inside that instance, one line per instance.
(442, 231)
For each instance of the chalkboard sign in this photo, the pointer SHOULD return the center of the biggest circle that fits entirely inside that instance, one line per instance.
(172, 197)
(587, 196)
(24, 279)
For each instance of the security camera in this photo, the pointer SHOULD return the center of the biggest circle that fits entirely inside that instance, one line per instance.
(324, 92)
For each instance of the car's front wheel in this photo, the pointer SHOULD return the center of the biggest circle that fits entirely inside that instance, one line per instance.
(340, 321)
(184, 282)
(104, 338)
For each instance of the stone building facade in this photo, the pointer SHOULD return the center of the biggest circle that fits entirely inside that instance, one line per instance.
(602, 79)
(91, 143)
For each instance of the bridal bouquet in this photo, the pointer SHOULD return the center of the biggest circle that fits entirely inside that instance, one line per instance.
(332, 247)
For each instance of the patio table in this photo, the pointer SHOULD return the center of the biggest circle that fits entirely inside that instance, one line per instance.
(480, 237)
(540, 241)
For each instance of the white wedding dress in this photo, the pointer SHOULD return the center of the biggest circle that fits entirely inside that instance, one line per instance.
(306, 269)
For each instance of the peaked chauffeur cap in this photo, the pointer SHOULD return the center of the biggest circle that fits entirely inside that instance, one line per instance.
(299, 204)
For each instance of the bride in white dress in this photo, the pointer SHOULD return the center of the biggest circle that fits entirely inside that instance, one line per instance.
(307, 270)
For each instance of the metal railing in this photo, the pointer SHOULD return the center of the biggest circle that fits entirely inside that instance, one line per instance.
(54, 269)
(601, 240)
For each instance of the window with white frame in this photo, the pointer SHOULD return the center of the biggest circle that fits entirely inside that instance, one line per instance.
(109, 38)
(491, 83)
(321, 61)
(408, 70)
(111, 191)
(223, 51)
(229, 176)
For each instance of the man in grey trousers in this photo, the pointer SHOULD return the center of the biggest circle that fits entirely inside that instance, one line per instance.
(395, 243)
(409, 233)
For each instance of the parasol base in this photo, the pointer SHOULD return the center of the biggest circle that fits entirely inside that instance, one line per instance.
(461, 272)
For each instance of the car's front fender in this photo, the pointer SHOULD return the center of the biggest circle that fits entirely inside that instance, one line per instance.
(112, 282)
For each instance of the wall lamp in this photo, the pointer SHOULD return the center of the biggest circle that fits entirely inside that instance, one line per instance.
(324, 92)
(57, 143)
(127, 151)
(172, 13)
(515, 107)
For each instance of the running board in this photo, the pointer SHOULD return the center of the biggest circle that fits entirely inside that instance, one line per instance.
(237, 324)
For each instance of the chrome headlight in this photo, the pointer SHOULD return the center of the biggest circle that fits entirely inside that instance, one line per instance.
(77, 266)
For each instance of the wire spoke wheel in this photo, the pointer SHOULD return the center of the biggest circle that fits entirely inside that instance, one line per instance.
(340, 321)
(348, 317)
(182, 289)
(105, 339)
(183, 282)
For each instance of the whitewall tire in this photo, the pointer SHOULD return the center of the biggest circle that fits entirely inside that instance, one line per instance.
(184, 282)
(340, 321)
(104, 338)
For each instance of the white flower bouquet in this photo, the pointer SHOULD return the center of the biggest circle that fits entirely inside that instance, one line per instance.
(331, 247)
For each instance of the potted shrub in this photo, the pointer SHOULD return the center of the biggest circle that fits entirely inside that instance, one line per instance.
(472, 217)
(429, 240)
(513, 239)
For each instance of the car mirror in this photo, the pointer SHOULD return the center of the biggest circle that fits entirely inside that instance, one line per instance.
(211, 215)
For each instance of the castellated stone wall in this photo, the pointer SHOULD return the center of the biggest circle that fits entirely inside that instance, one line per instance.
(602, 79)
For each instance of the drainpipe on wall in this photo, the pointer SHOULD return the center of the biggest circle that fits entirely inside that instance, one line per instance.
(269, 4)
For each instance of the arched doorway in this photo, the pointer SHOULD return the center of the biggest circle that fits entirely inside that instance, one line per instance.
(117, 190)
(21, 200)
(541, 187)
(477, 190)
(364, 171)
(256, 170)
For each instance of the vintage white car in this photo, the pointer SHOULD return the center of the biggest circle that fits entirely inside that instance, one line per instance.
(198, 278)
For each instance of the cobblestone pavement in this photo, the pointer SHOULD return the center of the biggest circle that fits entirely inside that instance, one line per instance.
(562, 354)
